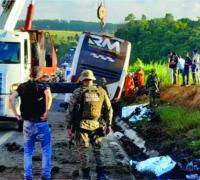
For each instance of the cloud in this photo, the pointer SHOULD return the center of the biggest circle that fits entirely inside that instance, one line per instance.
(117, 10)
(197, 8)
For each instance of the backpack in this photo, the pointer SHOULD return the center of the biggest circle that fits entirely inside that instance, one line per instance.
(91, 102)
(33, 102)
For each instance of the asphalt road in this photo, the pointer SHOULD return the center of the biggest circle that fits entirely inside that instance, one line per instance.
(65, 160)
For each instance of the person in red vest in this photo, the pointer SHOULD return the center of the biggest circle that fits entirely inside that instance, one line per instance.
(129, 85)
(140, 75)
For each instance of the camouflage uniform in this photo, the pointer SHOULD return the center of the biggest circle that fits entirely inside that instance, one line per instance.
(152, 86)
(83, 135)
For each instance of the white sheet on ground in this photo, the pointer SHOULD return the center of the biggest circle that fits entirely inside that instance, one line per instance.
(127, 110)
(156, 165)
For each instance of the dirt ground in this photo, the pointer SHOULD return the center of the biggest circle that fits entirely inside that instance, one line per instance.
(182, 95)
(154, 134)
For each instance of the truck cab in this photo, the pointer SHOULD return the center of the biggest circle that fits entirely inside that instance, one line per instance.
(15, 63)
(20, 52)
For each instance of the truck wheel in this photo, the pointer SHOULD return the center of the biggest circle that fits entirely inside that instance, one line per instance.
(20, 126)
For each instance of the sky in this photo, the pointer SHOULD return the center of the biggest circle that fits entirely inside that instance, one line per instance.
(117, 10)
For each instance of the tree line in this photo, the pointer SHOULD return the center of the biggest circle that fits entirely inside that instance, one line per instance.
(153, 39)
(70, 25)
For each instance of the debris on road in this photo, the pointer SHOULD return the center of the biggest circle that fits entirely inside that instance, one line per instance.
(2, 168)
(12, 146)
(65, 158)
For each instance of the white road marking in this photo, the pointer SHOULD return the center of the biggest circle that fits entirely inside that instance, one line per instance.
(5, 137)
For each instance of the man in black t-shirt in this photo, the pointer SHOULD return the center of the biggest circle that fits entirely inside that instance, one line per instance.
(36, 101)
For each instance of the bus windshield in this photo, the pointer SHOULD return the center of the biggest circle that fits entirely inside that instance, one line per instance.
(9, 53)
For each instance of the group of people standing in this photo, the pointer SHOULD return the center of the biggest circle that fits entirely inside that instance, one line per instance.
(184, 66)
(88, 119)
(134, 82)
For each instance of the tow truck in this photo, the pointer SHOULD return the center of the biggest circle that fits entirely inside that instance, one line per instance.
(21, 51)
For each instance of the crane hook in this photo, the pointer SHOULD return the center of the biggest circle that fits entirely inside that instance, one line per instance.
(101, 14)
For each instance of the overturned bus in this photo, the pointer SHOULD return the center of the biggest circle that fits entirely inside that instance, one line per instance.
(106, 56)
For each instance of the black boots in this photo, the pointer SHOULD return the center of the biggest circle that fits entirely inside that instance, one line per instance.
(101, 174)
(86, 174)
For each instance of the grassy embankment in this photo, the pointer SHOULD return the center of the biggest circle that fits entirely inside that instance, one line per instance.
(180, 124)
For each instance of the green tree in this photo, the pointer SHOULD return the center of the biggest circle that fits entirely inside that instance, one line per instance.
(153, 39)
(130, 17)
(143, 17)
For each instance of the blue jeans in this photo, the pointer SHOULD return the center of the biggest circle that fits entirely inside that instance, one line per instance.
(40, 132)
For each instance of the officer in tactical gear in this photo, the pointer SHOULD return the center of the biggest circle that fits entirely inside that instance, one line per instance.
(83, 118)
(152, 85)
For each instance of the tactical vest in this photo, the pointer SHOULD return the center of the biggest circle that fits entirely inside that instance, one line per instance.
(91, 102)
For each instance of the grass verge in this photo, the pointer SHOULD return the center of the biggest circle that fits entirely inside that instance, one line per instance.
(181, 124)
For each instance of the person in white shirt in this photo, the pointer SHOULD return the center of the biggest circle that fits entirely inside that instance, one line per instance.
(180, 66)
(196, 58)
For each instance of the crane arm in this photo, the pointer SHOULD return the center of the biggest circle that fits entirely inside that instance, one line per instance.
(11, 12)
(29, 16)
